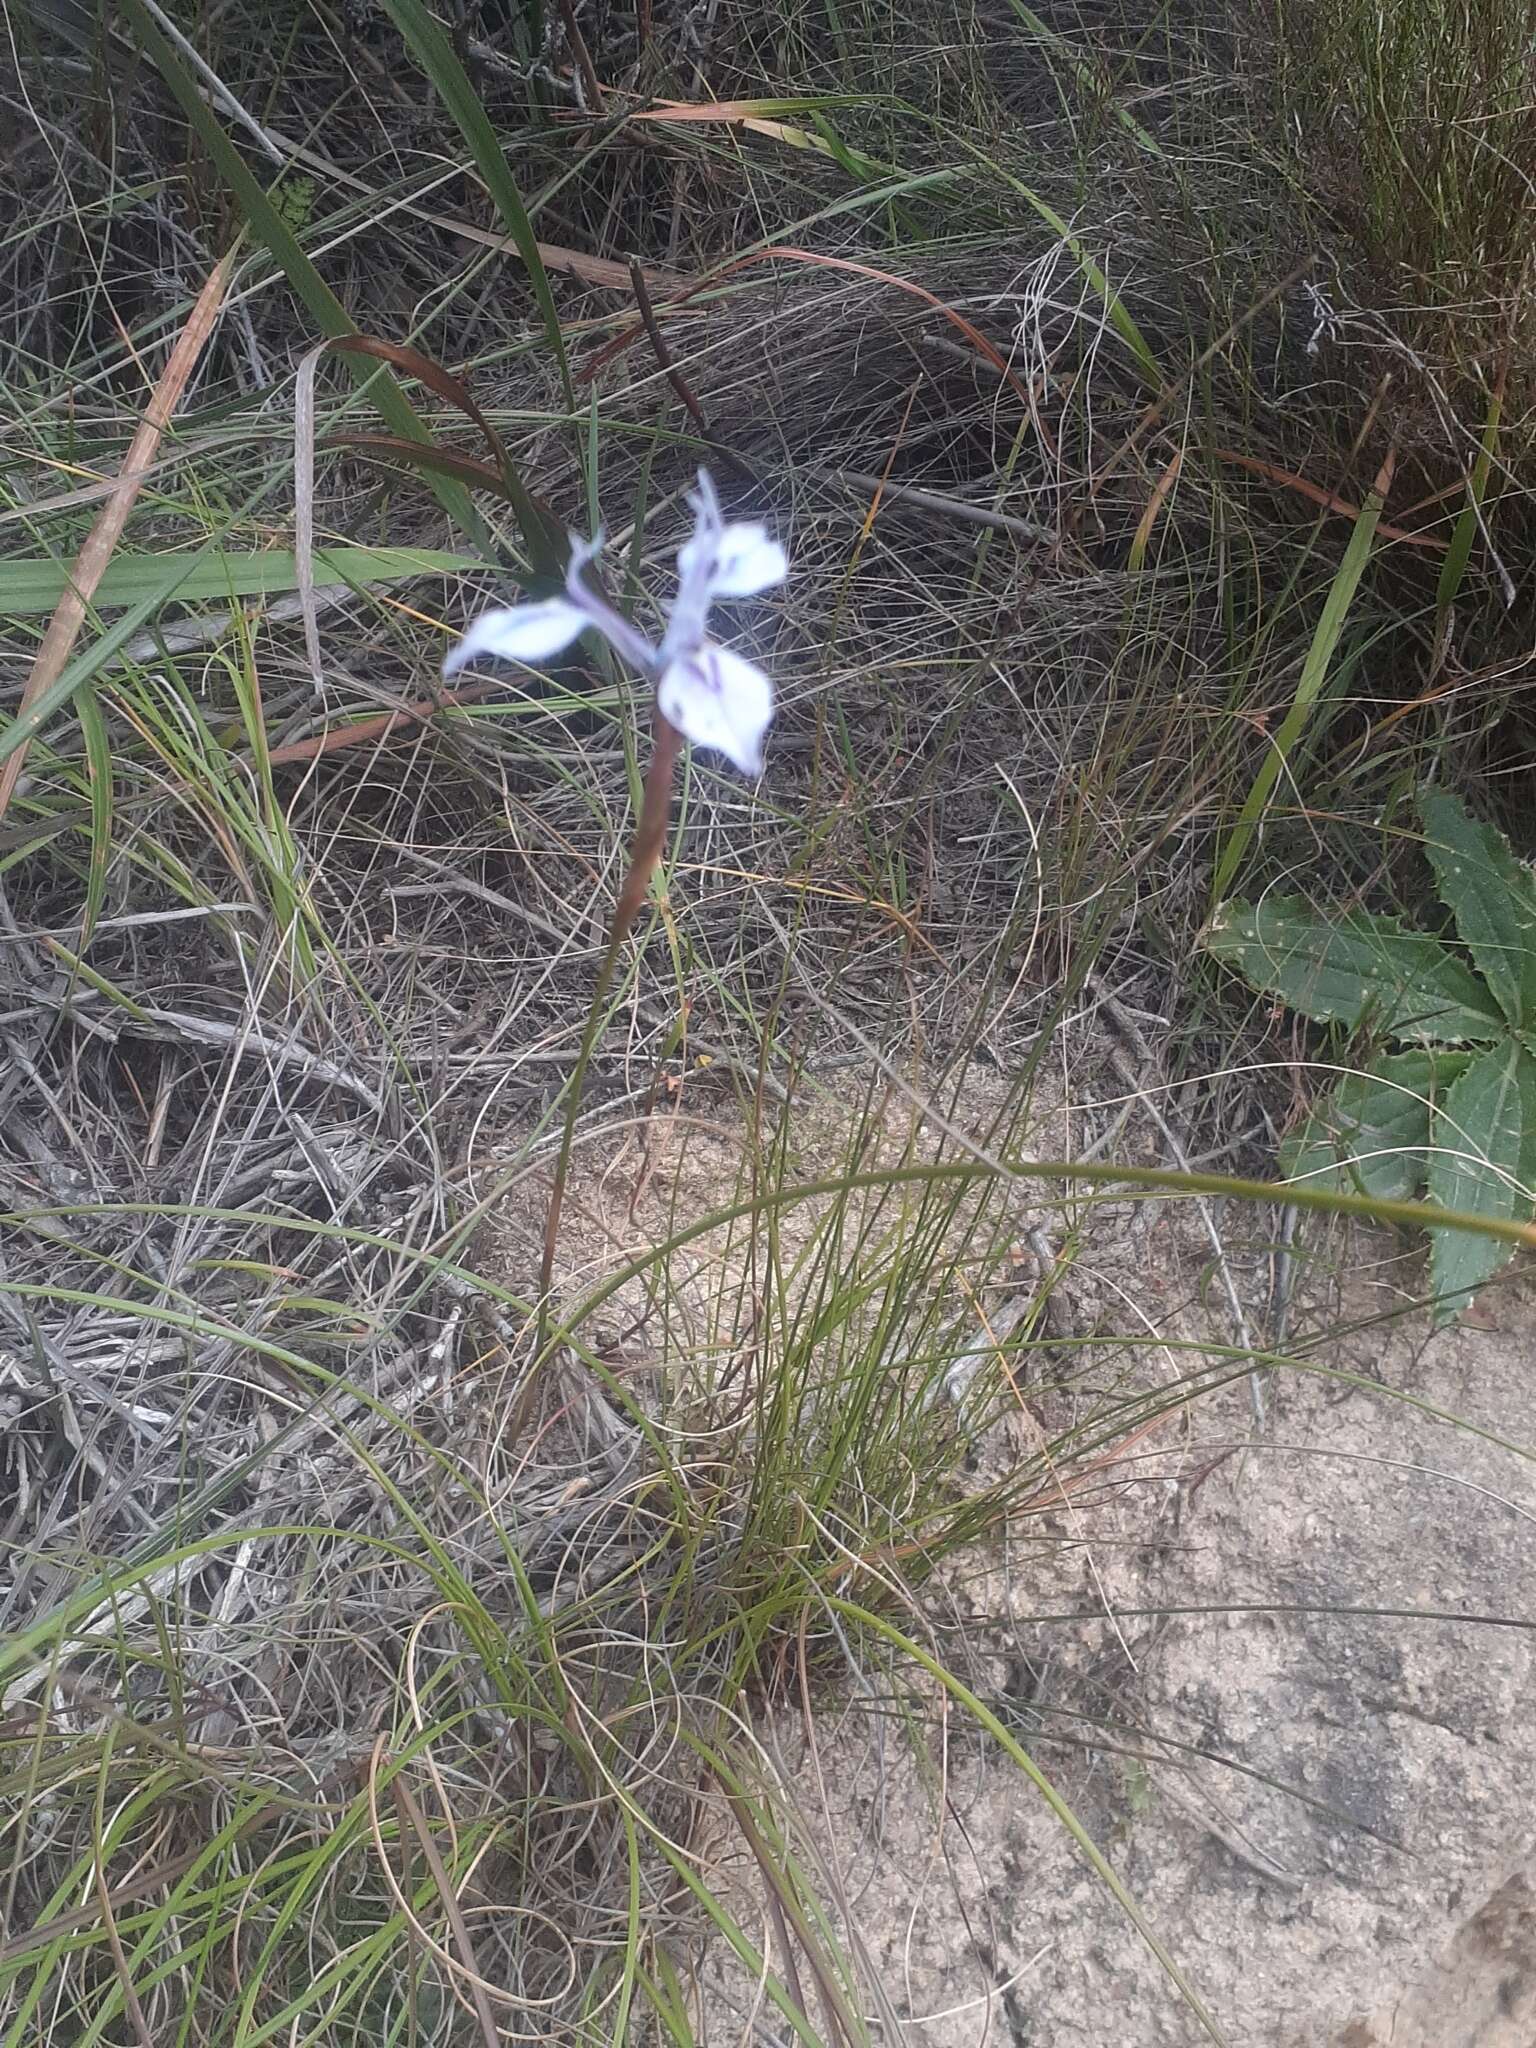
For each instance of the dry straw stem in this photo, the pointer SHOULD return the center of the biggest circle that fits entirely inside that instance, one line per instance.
(101, 542)
(589, 269)
(781, 253)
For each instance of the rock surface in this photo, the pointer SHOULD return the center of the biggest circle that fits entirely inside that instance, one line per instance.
(1342, 1853)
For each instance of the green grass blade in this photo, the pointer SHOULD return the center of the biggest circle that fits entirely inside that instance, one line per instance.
(1083, 76)
(1454, 568)
(25, 728)
(1314, 673)
(438, 59)
(107, 989)
(762, 1207)
(630, 1961)
(733, 1935)
(98, 762)
(272, 229)
(36, 584)
(1115, 309)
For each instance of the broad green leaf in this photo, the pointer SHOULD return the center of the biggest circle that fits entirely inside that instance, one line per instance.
(1369, 1133)
(1480, 1161)
(1492, 897)
(37, 585)
(1314, 673)
(1355, 969)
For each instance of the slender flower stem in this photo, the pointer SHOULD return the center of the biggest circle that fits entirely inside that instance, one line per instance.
(650, 837)
(701, 691)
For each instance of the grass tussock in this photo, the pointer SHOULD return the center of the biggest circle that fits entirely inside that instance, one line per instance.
(368, 1661)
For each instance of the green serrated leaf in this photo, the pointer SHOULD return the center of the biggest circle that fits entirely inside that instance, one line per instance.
(1492, 897)
(1369, 1133)
(1355, 969)
(1480, 1161)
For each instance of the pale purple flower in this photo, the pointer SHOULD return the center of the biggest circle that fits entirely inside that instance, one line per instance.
(715, 698)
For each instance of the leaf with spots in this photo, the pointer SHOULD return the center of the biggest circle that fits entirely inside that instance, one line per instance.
(1481, 1161)
(1369, 1134)
(1492, 897)
(1356, 969)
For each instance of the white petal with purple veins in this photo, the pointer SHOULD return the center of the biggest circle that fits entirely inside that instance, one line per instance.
(522, 632)
(744, 560)
(715, 699)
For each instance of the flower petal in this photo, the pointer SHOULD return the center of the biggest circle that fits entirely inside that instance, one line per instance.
(522, 632)
(730, 561)
(716, 699)
(621, 636)
(715, 561)
(747, 561)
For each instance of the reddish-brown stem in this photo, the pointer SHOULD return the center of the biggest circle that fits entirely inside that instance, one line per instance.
(650, 837)
(650, 834)
(662, 353)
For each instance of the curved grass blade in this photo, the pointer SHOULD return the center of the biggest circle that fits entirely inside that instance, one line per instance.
(548, 544)
(1116, 311)
(1371, 1130)
(269, 225)
(468, 469)
(1314, 672)
(1152, 1180)
(1017, 1754)
(1093, 90)
(1454, 568)
(438, 59)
